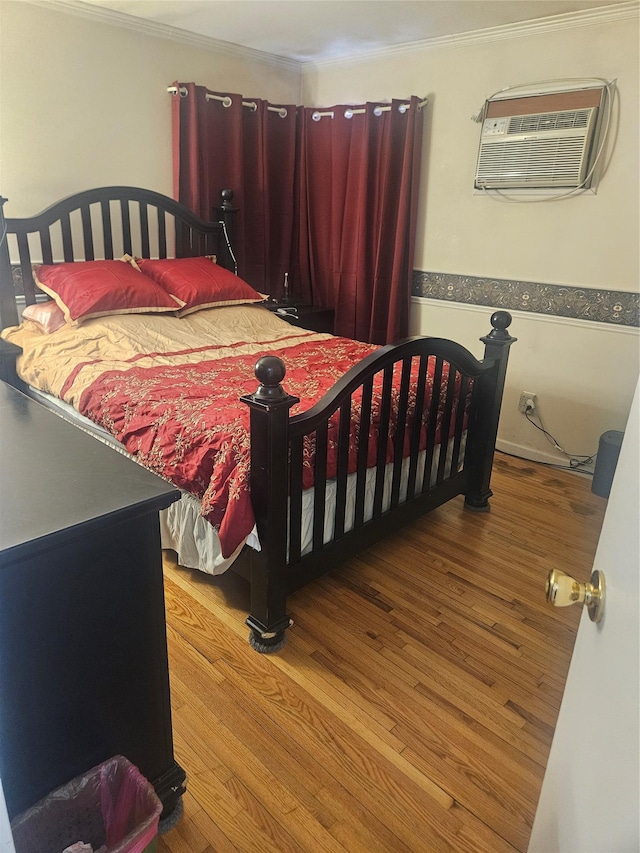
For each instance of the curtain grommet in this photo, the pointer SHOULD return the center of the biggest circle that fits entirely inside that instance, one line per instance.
(226, 102)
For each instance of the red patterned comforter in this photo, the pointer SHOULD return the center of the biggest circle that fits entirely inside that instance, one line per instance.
(187, 424)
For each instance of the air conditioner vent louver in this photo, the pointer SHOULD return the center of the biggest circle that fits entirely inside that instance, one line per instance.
(532, 163)
(548, 121)
(539, 141)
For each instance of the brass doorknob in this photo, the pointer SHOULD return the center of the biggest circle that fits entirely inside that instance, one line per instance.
(562, 590)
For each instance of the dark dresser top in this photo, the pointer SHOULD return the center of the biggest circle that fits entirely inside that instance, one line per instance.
(55, 477)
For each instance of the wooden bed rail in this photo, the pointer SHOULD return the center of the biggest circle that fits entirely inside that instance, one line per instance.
(277, 442)
(103, 223)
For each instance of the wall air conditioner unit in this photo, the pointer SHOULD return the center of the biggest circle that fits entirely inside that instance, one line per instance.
(539, 141)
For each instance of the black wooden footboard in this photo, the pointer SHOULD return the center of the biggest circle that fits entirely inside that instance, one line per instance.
(403, 432)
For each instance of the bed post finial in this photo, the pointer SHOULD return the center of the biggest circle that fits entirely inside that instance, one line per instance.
(498, 341)
(227, 200)
(487, 395)
(500, 321)
(270, 371)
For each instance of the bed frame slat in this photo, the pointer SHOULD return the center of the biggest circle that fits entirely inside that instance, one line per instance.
(417, 427)
(107, 233)
(363, 451)
(45, 245)
(125, 213)
(383, 437)
(401, 426)
(445, 426)
(87, 232)
(25, 268)
(320, 486)
(342, 469)
(295, 499)
(162, 234)
(144, 229)
(183, 243)
(67, 240)
(461, 410)
(432, 424)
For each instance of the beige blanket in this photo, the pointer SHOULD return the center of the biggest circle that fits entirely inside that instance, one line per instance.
(67, 361)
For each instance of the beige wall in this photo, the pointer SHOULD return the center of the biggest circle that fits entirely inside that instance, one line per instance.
(583, 373)
(84, 103)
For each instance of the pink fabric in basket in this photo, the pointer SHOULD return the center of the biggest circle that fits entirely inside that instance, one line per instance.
(117, 810)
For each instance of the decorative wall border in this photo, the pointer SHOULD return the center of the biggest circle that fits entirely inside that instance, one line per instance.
(579, 303)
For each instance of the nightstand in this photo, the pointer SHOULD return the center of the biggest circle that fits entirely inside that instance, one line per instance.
(303, 315)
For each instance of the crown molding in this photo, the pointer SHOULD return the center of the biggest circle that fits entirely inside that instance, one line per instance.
(620, 11)
(606, 14)
(152, 28)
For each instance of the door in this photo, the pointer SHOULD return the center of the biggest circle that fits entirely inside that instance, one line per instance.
(590, 796)
(6, 839)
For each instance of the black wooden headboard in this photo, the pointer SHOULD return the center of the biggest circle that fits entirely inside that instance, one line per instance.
(101, 224)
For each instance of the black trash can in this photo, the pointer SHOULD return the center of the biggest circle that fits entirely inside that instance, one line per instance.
(111, 808)
(606, 461)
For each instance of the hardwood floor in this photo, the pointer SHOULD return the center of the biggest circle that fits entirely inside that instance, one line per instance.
(413, 706)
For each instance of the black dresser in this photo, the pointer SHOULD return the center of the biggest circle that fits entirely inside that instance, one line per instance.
(83, 649)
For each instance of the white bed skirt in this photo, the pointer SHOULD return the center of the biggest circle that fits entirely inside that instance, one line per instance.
(195, 541)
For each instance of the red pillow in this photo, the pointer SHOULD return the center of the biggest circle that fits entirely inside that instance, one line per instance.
(46, 315)
(198, 283)
(85, 289)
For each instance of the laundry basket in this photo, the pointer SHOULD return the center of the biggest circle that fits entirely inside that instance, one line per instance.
(112, 808)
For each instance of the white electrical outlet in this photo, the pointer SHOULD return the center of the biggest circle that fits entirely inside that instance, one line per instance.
(527, 402)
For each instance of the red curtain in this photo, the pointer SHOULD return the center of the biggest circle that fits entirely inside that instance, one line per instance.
(251, 149)
(358, 200)
(332, 201)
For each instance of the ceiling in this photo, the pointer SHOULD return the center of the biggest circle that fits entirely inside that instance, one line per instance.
(317, 30)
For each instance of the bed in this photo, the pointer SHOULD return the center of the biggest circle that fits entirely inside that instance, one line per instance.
(308, 447)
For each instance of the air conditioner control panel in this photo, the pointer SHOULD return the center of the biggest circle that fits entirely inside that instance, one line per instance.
(495, 126)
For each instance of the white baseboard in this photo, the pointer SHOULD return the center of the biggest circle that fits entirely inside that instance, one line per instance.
(533, 455)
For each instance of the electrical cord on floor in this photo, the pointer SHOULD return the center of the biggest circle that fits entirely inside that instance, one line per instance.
(576, 461)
